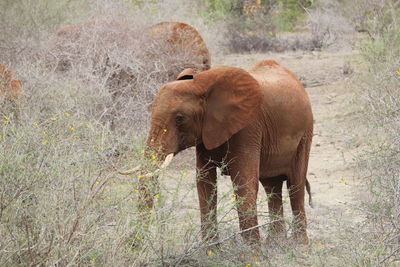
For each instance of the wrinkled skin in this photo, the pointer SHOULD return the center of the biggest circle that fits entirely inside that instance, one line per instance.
(11, 93)
(258, 124)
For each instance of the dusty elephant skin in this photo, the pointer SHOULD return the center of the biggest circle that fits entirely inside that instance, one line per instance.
(182, 37)
(11, 92)
(258, 124)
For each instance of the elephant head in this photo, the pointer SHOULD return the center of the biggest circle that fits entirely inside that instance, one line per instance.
(205, 108)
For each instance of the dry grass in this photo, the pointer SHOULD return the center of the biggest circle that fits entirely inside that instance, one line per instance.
(61, 200)
(379, 166)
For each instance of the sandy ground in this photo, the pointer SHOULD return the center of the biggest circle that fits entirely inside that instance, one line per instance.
(331, 170)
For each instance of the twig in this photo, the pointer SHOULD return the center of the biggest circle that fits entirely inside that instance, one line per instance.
(391, 254)
(233, 235)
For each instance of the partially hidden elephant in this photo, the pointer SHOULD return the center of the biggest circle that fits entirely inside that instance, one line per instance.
(181, 37)
(127, 56)
(257, 125)
(11, 93)
(172, 38)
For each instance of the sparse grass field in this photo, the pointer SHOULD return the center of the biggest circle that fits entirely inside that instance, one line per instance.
(62, 202)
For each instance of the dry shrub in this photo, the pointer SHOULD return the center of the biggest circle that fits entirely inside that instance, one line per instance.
(329, 25)
(363, 13)
(61, 200)
(256, 32)
(380, 166)
(24, 24)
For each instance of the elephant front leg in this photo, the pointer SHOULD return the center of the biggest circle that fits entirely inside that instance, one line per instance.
(207, 192)
(246, 189)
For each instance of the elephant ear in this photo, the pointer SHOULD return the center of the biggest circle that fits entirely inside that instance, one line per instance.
(232, 100)
(186, 74)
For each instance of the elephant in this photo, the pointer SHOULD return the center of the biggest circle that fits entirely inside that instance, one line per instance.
(127, 56)
(172, 37)
(11, 93)
(257, 125)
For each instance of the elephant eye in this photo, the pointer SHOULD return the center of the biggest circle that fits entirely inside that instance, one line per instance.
(179, 119)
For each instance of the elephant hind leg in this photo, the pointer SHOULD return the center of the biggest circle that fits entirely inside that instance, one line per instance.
(296, 184)
(273, 188)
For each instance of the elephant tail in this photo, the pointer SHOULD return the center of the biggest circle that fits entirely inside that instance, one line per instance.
(308, 188)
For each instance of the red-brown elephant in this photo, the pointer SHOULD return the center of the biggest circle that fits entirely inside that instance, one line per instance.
(11, 93)
(257, 124)
(181, 37)
(127, 56)
(164, 39)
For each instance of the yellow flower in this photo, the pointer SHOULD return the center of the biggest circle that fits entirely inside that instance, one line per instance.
(142, 151)
(92, 260)
(210, 252)
(398, 72)
(35, 123)
(44, 132)
(1, 136)
(157, 196)
(138, 237)
(153, 156)
(135, 190)
(343, 181)
(72, 128)
(6, 120)
(234, 197)
(67, 114)
(165, 130)
(257, 263)
(140, 176)
(97, 182)
(53, 118)
(44, 142)
(248, 265)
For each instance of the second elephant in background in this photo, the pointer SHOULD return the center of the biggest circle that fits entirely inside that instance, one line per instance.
(131, 62)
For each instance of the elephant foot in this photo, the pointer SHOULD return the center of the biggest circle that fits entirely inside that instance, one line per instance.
(252, 237)
(300, 237)
(278, 230)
